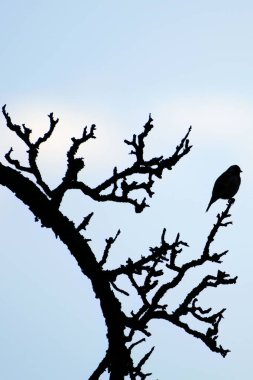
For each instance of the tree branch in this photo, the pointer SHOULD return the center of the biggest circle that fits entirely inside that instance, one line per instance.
(101, 368)
(143, 275)
(109, 243)
(120, 185)
(52, 218)
(152, 276)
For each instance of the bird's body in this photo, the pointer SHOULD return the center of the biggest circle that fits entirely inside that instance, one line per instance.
(227, 185)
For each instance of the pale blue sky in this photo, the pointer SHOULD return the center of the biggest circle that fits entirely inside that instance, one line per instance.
(112, 63)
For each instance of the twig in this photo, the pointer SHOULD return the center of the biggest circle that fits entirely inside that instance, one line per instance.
(109, 243)
(85, 222)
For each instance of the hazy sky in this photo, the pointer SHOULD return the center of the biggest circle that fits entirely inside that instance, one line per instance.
(112, 63)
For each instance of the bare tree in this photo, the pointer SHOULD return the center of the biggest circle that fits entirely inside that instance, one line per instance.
(145, 276)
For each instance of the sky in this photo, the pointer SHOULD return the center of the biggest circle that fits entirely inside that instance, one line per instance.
(112, 63)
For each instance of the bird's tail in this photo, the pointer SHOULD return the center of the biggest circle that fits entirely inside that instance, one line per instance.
(211, 201)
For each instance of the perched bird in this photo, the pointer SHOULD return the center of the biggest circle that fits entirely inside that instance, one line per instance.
(227, 185)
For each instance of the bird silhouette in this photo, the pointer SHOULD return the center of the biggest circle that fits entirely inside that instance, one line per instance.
(227, 185)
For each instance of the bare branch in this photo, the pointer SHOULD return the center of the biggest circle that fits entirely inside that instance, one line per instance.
(152, 276)
(85, 222)
(209, 281)
(136, 343)
(16, 163)
(138, 141)
(220, 223)
(109, 243)
(118, 289)
(152, 292)
(120, 186)
(48, 134)
(21, 131)
(210, 342)
(138, 368)
(24, 134)
(157, 253)
(101, 368)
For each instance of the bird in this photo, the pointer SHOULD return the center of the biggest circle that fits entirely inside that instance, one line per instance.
(226, 185)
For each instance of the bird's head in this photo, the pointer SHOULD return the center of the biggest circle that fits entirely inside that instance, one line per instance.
(234, 169)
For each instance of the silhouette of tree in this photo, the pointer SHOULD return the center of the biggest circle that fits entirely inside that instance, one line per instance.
(145, 274)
